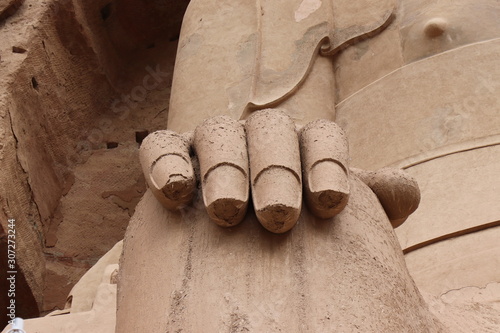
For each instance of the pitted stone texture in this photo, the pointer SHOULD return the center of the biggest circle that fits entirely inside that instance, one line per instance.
(221, 148)
(167, 167)
(344, 275)
(397, 191)
(325, 154)
(9, 8)
(275, 169)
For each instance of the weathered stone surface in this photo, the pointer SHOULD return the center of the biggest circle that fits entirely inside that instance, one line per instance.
(421, 93)
(437, 117)
(100, 318)
(9, 8)
(475, 255)
(253, 67)
(72, 113)
(435, 102)
(221, 147)
(346, 274)
(470, 199)
(325, 162)
(397, 191)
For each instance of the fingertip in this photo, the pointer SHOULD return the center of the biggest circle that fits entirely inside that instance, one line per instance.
(227, 212)
(226, 194)
(278, 218)
(397, 191)
(325, 154)
(220, 144)
(327, 189)
(277, 198)
(173, 182)
(167, 167)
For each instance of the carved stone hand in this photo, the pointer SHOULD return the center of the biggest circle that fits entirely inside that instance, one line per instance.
(270, 155)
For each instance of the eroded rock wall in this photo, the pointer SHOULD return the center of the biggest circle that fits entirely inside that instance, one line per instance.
(76, 102)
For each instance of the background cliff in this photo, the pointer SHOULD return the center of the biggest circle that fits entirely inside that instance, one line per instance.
(81, 84)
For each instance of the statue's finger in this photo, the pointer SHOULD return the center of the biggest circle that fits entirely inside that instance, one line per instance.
(397, 191)
(275, 169)
(324, 153)
(167, 167)
(220, 144)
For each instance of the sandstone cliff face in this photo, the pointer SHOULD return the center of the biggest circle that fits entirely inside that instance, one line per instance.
(82, 83)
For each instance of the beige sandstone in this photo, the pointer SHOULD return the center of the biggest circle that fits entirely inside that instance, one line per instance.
(443, 125)
(325, 156)
(275, 177)
(320, 276)
(254, 67)
(406, 113)
(275, 169)
(221, 147)
(100, 317)
(63, 144)
(166, 150)
(414, 87)
(397, 192)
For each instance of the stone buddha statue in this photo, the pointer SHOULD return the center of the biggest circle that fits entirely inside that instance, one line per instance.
(253, 55)
(252, 111)
(256, 220)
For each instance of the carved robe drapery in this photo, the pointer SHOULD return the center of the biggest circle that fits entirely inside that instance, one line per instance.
(236, 56)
